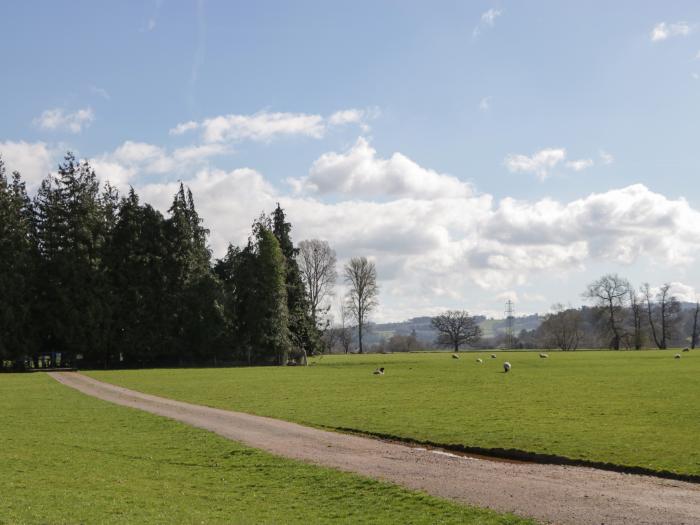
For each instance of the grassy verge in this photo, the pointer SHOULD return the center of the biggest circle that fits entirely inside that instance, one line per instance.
(636, 409)
(68, 458)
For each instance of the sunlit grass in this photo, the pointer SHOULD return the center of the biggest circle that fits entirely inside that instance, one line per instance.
(627, 408)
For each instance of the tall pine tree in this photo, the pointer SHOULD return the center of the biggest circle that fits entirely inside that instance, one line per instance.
(304, 333)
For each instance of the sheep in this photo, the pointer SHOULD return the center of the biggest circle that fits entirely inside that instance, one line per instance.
(479, 360)
(544, 356)
(686, 349)
(506, 367)
(455, 356)
(493, 356)
(379, 371)
(677, 356)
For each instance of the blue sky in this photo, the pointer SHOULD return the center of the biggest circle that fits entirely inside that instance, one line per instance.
(476, 150)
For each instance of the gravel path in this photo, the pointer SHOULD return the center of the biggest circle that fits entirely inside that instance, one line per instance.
(548, 493)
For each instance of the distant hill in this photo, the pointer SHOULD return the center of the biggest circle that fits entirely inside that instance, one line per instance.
(425, 332)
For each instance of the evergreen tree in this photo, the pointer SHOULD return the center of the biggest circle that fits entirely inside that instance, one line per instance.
(193, 293)
(270, 332)
(17, 268)
(304, 333)
(71, 234)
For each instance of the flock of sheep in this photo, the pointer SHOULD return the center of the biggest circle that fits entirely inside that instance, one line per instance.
(506, 365)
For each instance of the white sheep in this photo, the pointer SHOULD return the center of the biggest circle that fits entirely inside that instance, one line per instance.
(686, 349)
(677, 356)
(544, 356)
(506, 367)
(493, 356)
(379, 371)
(479, 360)
(455, 356)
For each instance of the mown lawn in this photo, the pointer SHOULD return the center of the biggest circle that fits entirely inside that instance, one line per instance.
(69, 458)
(627, 408)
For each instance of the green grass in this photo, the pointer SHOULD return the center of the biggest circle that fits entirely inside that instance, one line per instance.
(69, 458)
(628, 408)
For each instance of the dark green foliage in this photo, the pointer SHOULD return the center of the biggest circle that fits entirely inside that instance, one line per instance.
(71, 230)
(109, 282)
(17, 261)
(304, 333)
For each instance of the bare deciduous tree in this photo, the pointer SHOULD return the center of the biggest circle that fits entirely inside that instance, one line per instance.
(694, 334)
(317, 265)
(361, 278)
(561, 328)
(663, 315)
(609, 292)
(636, 311)
(456, 328)
(345, 331)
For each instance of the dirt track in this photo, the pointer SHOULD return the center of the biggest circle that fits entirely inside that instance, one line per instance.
(549, 493)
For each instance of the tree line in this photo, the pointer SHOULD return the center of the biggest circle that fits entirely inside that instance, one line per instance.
(622, 316)
(92, 278)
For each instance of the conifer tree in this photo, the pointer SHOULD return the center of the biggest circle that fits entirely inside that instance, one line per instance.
(17, 268)
(304, 333)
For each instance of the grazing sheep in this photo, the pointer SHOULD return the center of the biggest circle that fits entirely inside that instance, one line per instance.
(379, 371)
(686, 349)
(506, 367)
(677, 356)
(479, 360)
(493, 356)
(544, 356)
(455, 356)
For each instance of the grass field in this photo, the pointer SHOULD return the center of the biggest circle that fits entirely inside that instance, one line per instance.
(639, 409)
(68, 458)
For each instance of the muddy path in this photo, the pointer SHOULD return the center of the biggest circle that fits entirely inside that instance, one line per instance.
(548, 493)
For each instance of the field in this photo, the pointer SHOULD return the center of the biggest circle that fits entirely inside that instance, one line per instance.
(69, 458)
(633, 409)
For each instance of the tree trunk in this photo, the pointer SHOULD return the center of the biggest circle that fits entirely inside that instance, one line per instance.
(359, 335)
(694, 336)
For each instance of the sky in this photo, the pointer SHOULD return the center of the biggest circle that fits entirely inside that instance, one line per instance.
(476, 151)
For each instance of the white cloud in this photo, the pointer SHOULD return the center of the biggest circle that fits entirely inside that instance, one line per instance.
(606, 158)
(663, 31)
(485, 103)
(59, 119)
(265, 126)
(433, 253)
(354, 116)
(580, 164)
(183, 127)
(33, 160)
(360, 172)
(539, 163)
(487, 20)
(133, 159)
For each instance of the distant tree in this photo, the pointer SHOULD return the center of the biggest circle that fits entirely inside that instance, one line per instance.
(663, 314)
(609, 292)
(636, 310)
(317, 266)
(346, 333)
(456, 328)
(561, 328)
(402, 343)
(361, 278)
(694, 333)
